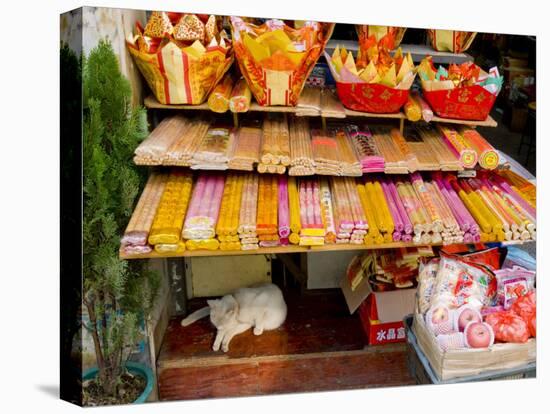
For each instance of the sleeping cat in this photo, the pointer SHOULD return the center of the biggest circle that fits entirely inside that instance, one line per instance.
(262, 308)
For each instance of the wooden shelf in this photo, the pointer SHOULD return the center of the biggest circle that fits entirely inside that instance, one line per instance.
(287, 249)
(152, 103)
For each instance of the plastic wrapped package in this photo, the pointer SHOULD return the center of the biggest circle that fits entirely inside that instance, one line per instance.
(240, 97)
(513, 284)
(427, 273)
(508, 327)
(218, 100)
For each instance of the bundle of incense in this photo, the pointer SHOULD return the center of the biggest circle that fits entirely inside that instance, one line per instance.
(451, 232)
(426, 159)
(373, 235)
(382, 213)
(365, 149)
(326, 211)
(349, 164)
(153, 149)
(246, 150)
(516, 194)
(301, 155)
(487, 156)
(240, 97)
(460, 147)
(202, 244)
(343, 217)
(214, 151)
(310, 210)
(513, 197)
(204, 208)
(166, 227)
(522, 186)
(432, 137)
(425, 196)
(399, 226)
(401, 143)
(504, 232)
(138, 228)
(331, 107)
(275, 149)
(218, 100)
(283, 209)
(415, 211)
(309, 103)
(170, 248)
(394, 160)
(403, 216)
(412, 109)
(248, 213)
(325, 153)
(358, 214)
(228, 221)
(294, 208)
(465, 221)
(266, 217)
(182, 150)
(426, 111)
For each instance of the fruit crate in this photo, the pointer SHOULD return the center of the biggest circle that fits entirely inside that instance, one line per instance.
(422, 371)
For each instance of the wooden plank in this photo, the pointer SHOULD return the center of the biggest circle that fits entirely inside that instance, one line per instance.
(489, 122)
(289, 249)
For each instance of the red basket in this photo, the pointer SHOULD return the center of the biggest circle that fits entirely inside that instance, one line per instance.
(371, 97)
(470, 102)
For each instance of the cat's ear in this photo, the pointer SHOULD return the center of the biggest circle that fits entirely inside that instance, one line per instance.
(231, 304)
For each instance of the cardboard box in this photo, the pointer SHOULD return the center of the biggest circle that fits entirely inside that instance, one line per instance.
(381, 313)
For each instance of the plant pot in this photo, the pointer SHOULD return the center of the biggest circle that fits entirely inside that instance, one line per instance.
(134, 368)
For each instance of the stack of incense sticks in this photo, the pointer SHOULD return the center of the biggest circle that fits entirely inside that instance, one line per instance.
(369, 157)
(327, 211)
(214, 152)
(181, 151)
(247, 217)
(487, 156)
(325, 153)
(301, 155)
(460, 146)
(203, 211)
(218, 100)
(240, 97)
(403, 228)
(349, 164)
(331, 106)
(312, 231)
(266, 216)
(153, 149)
(294, 207)
(228, 221)
(426, 111)
(409, 156)
(275, 149)
(381, 212)
(350, 224)
(165, 232)
(136, 234)
(394, 160)
(448, 161)
(309, 103)
(246, 150)
(283, 210)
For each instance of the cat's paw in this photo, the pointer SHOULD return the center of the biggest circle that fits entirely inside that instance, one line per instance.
(225, 348)
(258, 331)
(215, 347)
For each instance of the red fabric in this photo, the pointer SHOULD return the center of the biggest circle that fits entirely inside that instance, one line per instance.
(469, 102)
(371, 97)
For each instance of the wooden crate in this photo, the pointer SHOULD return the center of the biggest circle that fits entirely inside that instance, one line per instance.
(469, 362)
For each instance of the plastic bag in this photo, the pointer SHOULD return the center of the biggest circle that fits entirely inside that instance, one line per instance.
(489, 257)
(526, 306)
(508, 327)
(513, 284)
(427, 273)
(519, 257)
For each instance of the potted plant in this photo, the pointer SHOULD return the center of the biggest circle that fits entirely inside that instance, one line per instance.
(116, 294)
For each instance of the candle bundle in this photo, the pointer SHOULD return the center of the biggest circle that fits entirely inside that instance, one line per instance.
(228, 221)
(460, 146)
(301, 155)
(136, 234)
(246, 151)
(294, 207)
(312, 228)
(487, 156)
(366, 150)
(247, 215)
(215, 150)
(349, 164)
(218, 100)
(182, 150)
(448, 161)
(204, 208)
(165, 232)
(394, 159)
(325, 153)
(275, 149)
(152, 150)
(266, 218)
(240, 97)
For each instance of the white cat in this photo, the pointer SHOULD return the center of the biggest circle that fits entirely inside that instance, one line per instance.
(262, 307)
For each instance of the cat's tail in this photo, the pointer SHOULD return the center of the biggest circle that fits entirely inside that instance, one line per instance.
(195, 316)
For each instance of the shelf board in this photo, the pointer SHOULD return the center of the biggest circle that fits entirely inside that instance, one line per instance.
(489, 122)
(287, 249)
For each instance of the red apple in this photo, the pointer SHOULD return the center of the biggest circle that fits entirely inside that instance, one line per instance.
(478, 335)
(465, 316)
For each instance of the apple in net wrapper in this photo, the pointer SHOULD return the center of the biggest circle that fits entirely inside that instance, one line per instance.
(479, 335)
